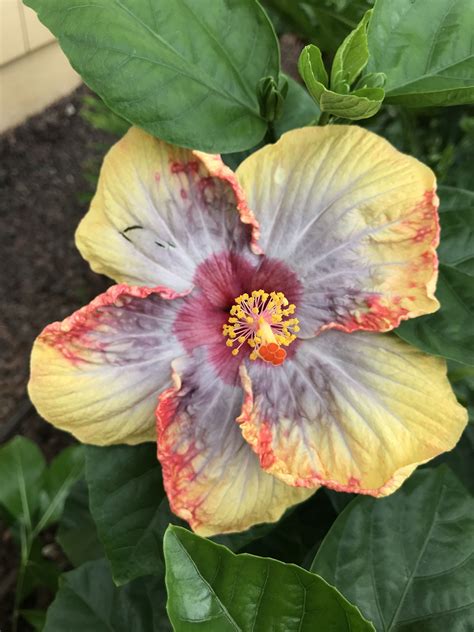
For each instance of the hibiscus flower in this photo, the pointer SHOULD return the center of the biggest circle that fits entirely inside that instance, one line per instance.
(246, 333)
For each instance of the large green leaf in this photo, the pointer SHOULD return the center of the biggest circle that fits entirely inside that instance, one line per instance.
(448, 332)
(186, 72)
(457, 228)
(65, 469)
(426, 49)
(213, 590)
(407, 560)
(22, 468)
(125, 490)
(88, 601)
(77, 533)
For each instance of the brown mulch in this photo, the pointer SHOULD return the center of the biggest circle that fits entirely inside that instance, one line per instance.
(42, 276)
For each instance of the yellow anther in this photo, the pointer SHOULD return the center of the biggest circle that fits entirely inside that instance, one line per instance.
(260, 320)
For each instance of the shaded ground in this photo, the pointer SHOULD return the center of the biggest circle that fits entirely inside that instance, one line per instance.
(42, 276)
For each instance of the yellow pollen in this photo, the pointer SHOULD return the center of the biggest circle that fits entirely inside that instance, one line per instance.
(260, 321)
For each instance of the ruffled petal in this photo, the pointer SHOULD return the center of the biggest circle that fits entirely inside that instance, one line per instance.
(211, 476)
(98, 373)
(355, 219)
(160, 210)
(355, 412)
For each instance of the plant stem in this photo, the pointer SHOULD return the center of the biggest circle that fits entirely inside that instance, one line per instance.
(324, 118)
(26, 542)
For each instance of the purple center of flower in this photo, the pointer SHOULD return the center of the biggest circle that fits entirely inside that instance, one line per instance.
(218, 280)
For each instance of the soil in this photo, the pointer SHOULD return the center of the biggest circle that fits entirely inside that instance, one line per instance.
(45, 192)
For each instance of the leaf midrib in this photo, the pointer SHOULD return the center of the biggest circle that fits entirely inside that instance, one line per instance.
(434, 73)
(224, 610)
(393, 620)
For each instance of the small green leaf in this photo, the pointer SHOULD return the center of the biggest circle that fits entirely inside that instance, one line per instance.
(351, 56)
(372, 80)
(22, 468)
(312, 70)
(360, 104)
(426, 50)
(125, 490)
(77, 533)
(211, 589)
(457, 228)
(88, 601)
(186, 72)
(448, 332)
(407, 560)
(65, 469)
(36, 618)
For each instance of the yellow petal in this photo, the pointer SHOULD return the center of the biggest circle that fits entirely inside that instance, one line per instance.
(211, 476)
(355, 412)
(354, 218)
(159, 211)
(98, 373)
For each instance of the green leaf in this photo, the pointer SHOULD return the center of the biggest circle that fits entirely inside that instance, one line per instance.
(426, 50)
(22, 468)
(312, 70)
(88, 601)
(351, 56)
(448, 332)
(407, 560)
(211, 589)
(185, 73)
(372, 80)
(65, 469)
(125, 490)
(36, 618)
(77, 533)
(360, 104)
(39, 572)
(457, 228)
(461, 458)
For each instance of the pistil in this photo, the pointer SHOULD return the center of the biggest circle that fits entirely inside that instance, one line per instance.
(261, 321)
